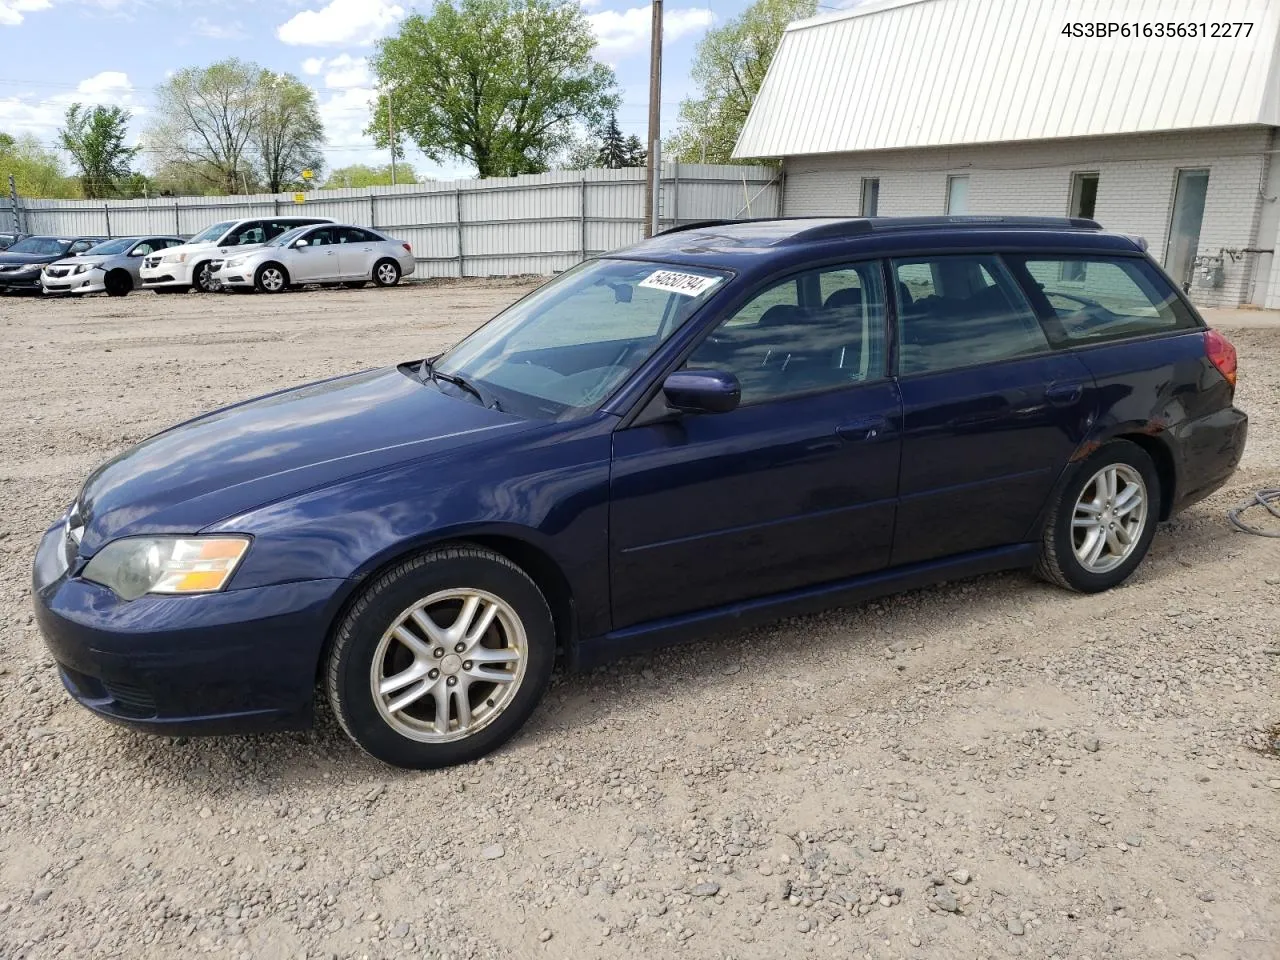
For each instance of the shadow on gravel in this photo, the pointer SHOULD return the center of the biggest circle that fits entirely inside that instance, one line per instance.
(266, 763)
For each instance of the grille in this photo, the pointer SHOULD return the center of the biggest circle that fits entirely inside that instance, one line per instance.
(131, 699)
(58, 271)
(152, 262)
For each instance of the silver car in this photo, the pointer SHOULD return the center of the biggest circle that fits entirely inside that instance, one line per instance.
(111, 267)
(328, 253)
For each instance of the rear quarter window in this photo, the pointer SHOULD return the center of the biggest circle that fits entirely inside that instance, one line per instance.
(1092, 299)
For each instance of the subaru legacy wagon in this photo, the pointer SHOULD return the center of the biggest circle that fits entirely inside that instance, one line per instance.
(727, 423)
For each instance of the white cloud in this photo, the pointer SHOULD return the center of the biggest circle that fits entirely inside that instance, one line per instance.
(11, 11)
(627, 31)
(204, 27)
(341, 72)
(42, 116)
(341, 23)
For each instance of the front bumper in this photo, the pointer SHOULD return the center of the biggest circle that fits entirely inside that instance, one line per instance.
(20, 281)
(165, 275)
(241, 276)
(91, 281)
(240, 661)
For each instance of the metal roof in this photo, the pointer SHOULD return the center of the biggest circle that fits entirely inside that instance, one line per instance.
(923, 73)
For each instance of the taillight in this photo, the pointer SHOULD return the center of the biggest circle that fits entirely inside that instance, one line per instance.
(407, 248)
(1221, 353)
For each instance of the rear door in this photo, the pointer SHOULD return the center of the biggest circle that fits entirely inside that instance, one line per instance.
(991, 413)
(793, 488)
(357, 251)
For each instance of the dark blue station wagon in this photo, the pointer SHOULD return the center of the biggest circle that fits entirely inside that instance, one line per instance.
(727, 423)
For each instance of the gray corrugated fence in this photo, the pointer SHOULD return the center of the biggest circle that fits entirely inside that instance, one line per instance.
(496, 227)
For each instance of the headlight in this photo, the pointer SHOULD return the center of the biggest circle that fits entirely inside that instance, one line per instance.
(137, 565)
(175, 258)
(83, 268)
(236, 262)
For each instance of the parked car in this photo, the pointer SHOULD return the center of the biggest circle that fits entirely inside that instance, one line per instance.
(22, 264)
(318, 254)
(187, 266)
(7, 240)
(723, 424)
(111, 266)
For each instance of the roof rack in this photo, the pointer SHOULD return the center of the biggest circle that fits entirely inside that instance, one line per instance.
(856, 226)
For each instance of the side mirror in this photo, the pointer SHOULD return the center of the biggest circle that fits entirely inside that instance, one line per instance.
(702, 391)
(300, 243)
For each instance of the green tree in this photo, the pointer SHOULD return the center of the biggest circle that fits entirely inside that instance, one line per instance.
(637, 155)
(234, 126)
(362, 175)
(729, 67)
(613, 145)
(37, 171)
(95, 138)
(205, 122)
(288, 136)
(497, 83)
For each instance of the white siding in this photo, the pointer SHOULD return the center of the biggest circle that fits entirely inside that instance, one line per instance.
(914, 73)
(1135, 187)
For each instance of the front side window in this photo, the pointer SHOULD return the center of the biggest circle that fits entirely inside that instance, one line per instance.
(959, 311)
(1106, 298)
(819, 330)
(564, 349)
(250, 233)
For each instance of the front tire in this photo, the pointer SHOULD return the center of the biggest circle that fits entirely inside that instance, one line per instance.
(442, 659)
(271, 278)
(1103, 520)
(118, 283)
(202, 278)
(386, 273)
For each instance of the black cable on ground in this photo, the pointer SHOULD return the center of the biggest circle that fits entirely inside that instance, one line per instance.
(1269, 500)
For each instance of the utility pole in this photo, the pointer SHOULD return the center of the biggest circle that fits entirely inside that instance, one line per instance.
(13, 199)
(653, 172)
(391, 134)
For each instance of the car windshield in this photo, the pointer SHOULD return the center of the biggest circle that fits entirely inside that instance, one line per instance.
(41, 246)
(564, 349)
(289, 236)
(212, 233)
(112, 246)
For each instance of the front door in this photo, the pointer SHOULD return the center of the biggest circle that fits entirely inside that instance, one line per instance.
(795, 487)
(317, 259)
(990, 414)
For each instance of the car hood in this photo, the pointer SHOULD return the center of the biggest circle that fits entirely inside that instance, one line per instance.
(7, 258)
(77, 261)
(244, 456)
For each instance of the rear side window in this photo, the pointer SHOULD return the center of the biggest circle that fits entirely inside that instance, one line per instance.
(1106, 298)
(959, 311)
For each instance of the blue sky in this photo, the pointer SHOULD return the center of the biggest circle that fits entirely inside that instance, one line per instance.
(55, 52)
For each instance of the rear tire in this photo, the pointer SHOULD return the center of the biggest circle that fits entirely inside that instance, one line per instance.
(386, 273)
(271, 278)
(118, 283)
(1103, 520)
(407, 675)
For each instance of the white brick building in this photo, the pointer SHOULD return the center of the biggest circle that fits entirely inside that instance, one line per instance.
(902, 107)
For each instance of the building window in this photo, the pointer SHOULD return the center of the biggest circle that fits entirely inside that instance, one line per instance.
(1084, 195)
(870, 196)
(958, 195)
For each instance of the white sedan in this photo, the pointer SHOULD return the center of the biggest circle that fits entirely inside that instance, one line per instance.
(328, 253)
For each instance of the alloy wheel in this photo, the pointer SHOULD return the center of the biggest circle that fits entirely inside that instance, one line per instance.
(272, 279)
(1109, 517)
(204, 279)
(387, 274)
(449, 665)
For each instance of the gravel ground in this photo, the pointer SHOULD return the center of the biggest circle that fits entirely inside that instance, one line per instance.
(984, 769)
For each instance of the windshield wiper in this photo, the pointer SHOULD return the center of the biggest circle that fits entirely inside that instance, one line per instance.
(427, 371)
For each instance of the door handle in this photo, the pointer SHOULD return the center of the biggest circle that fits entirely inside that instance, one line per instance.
(1064, 394)
(865, 428)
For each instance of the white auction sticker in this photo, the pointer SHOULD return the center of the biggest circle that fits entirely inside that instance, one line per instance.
(673, 281)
